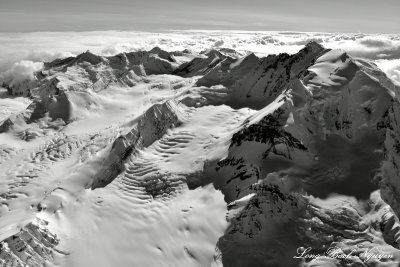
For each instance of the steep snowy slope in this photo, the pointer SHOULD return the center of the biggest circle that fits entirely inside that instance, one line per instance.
(321, 139)
(156, 158)
(257, 82)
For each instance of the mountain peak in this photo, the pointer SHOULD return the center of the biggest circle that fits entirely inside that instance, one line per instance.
(314, 46)
(89, 57)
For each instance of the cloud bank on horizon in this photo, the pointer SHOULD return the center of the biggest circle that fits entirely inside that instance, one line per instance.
(154, 15)
(23, 53)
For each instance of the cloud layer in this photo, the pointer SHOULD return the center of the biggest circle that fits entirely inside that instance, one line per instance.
(21, 71)
(22, 52)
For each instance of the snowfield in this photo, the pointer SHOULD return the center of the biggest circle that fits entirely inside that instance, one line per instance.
(208, 153)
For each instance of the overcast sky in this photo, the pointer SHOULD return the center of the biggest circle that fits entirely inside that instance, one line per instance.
(372, 16)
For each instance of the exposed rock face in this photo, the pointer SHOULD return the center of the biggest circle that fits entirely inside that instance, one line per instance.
(390, 183)
(21, 88)
(33, 246)
(60, 107)
(57, 107)
(285, 226)
(8, 123)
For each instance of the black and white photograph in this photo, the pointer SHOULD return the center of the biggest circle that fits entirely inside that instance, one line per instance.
(208, 133)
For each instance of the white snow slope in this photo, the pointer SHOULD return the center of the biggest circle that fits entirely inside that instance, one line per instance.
(180, 158)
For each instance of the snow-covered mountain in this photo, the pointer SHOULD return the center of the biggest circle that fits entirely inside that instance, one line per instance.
(157, 158)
